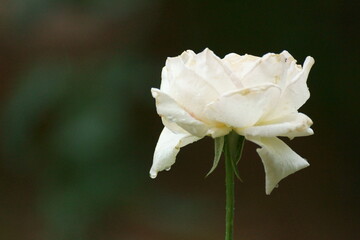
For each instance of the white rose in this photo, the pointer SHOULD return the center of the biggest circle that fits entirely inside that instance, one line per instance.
(258, 97)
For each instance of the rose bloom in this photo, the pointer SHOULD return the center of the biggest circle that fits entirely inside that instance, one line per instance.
(257, 97)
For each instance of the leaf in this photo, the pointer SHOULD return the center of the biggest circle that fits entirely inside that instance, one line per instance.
(219, 146)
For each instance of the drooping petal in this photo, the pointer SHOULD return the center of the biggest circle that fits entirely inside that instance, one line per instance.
(278, 159)
(293, 125)
(168, 146)
(243, 108)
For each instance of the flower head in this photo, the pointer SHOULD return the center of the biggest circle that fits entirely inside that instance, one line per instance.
(257, 97)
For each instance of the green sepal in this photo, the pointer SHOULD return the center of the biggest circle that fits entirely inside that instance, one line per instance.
(236, 171)
(219, 146)
(234, 144)
(240, 147)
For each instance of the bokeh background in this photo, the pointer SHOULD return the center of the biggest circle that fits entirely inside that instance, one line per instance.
(79, 126)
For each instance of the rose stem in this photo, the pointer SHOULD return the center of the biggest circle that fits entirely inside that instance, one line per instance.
(232, 150)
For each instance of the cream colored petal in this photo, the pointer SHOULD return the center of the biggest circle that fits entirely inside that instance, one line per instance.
(169, 109)
(243, 108)
(168, 146)
(165, 84)
(213, 70)
(268, 69)
(297, 91)
(219, 131)
(278, 159)
(213, 131)
(240, 65)
(293, 125)
(172, 126)
(187, 88)
(291, 69)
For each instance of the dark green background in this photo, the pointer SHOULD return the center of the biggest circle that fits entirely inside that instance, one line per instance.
(79, 125)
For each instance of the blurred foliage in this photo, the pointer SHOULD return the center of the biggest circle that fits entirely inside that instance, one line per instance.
(70, 124)
(30, 11)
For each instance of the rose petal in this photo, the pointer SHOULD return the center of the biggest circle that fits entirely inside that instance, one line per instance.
(244, 107)
(168, 146)
(278, 159)
(165, 84)
(173, 112)
(240, 65)
(297, 90)
(268, 69)
(213, 131)
(293, 125)
(213, 70)
(187, 88)
(295, 93)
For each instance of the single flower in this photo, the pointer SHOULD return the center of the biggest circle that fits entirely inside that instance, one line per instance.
(257, 97)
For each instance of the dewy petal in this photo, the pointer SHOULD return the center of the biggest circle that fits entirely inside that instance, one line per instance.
(244, 107)
(278, 159)
(293, 125)
(169, 109)
(168, 146)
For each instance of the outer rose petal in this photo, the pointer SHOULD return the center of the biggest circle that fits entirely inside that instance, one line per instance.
(243, 108)
(295, 93)
(213, 70)
(270, 68)
(297, 90)
(168, 146)
(240, 65)
(186, 87)
(293, 125)
(170, 110)
(278, 159)
(165, 84)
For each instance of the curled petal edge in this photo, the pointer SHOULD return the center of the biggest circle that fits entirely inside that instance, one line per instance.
(293, 125)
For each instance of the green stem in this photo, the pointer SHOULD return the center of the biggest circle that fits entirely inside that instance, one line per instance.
(230, 198)
(233, 148)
